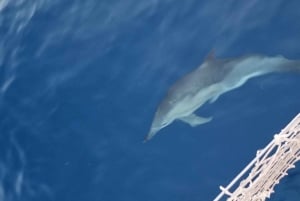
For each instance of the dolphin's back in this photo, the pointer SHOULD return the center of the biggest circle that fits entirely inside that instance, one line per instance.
(205, 75)
(229, 71)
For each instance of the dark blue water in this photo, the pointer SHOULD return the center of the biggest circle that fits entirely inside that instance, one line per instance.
(80, 82)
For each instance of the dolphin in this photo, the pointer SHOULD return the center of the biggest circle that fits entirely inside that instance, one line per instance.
(208, 82)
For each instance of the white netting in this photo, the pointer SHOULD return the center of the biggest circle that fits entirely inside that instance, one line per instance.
(268, 167)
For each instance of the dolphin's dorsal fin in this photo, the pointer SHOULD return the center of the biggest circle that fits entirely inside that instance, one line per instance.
(211, 55)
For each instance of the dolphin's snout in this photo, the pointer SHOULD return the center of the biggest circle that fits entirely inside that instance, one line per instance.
(146, 139)
(151, 134)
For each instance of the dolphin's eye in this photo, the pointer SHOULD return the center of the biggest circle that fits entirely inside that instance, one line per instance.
(164, 123)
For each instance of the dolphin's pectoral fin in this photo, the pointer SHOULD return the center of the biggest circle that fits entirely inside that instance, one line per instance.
(194, 120)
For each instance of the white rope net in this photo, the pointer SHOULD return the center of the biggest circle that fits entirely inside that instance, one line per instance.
(267, 168)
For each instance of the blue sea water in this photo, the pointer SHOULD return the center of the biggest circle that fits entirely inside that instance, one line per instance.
(80, 82)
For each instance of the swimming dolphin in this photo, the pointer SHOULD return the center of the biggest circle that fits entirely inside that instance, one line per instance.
(209, 81)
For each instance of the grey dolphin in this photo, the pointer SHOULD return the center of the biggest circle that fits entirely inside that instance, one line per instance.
(210, 80)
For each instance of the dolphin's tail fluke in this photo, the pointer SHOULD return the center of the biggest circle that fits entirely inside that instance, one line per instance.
(296, 66)
(291, 66)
